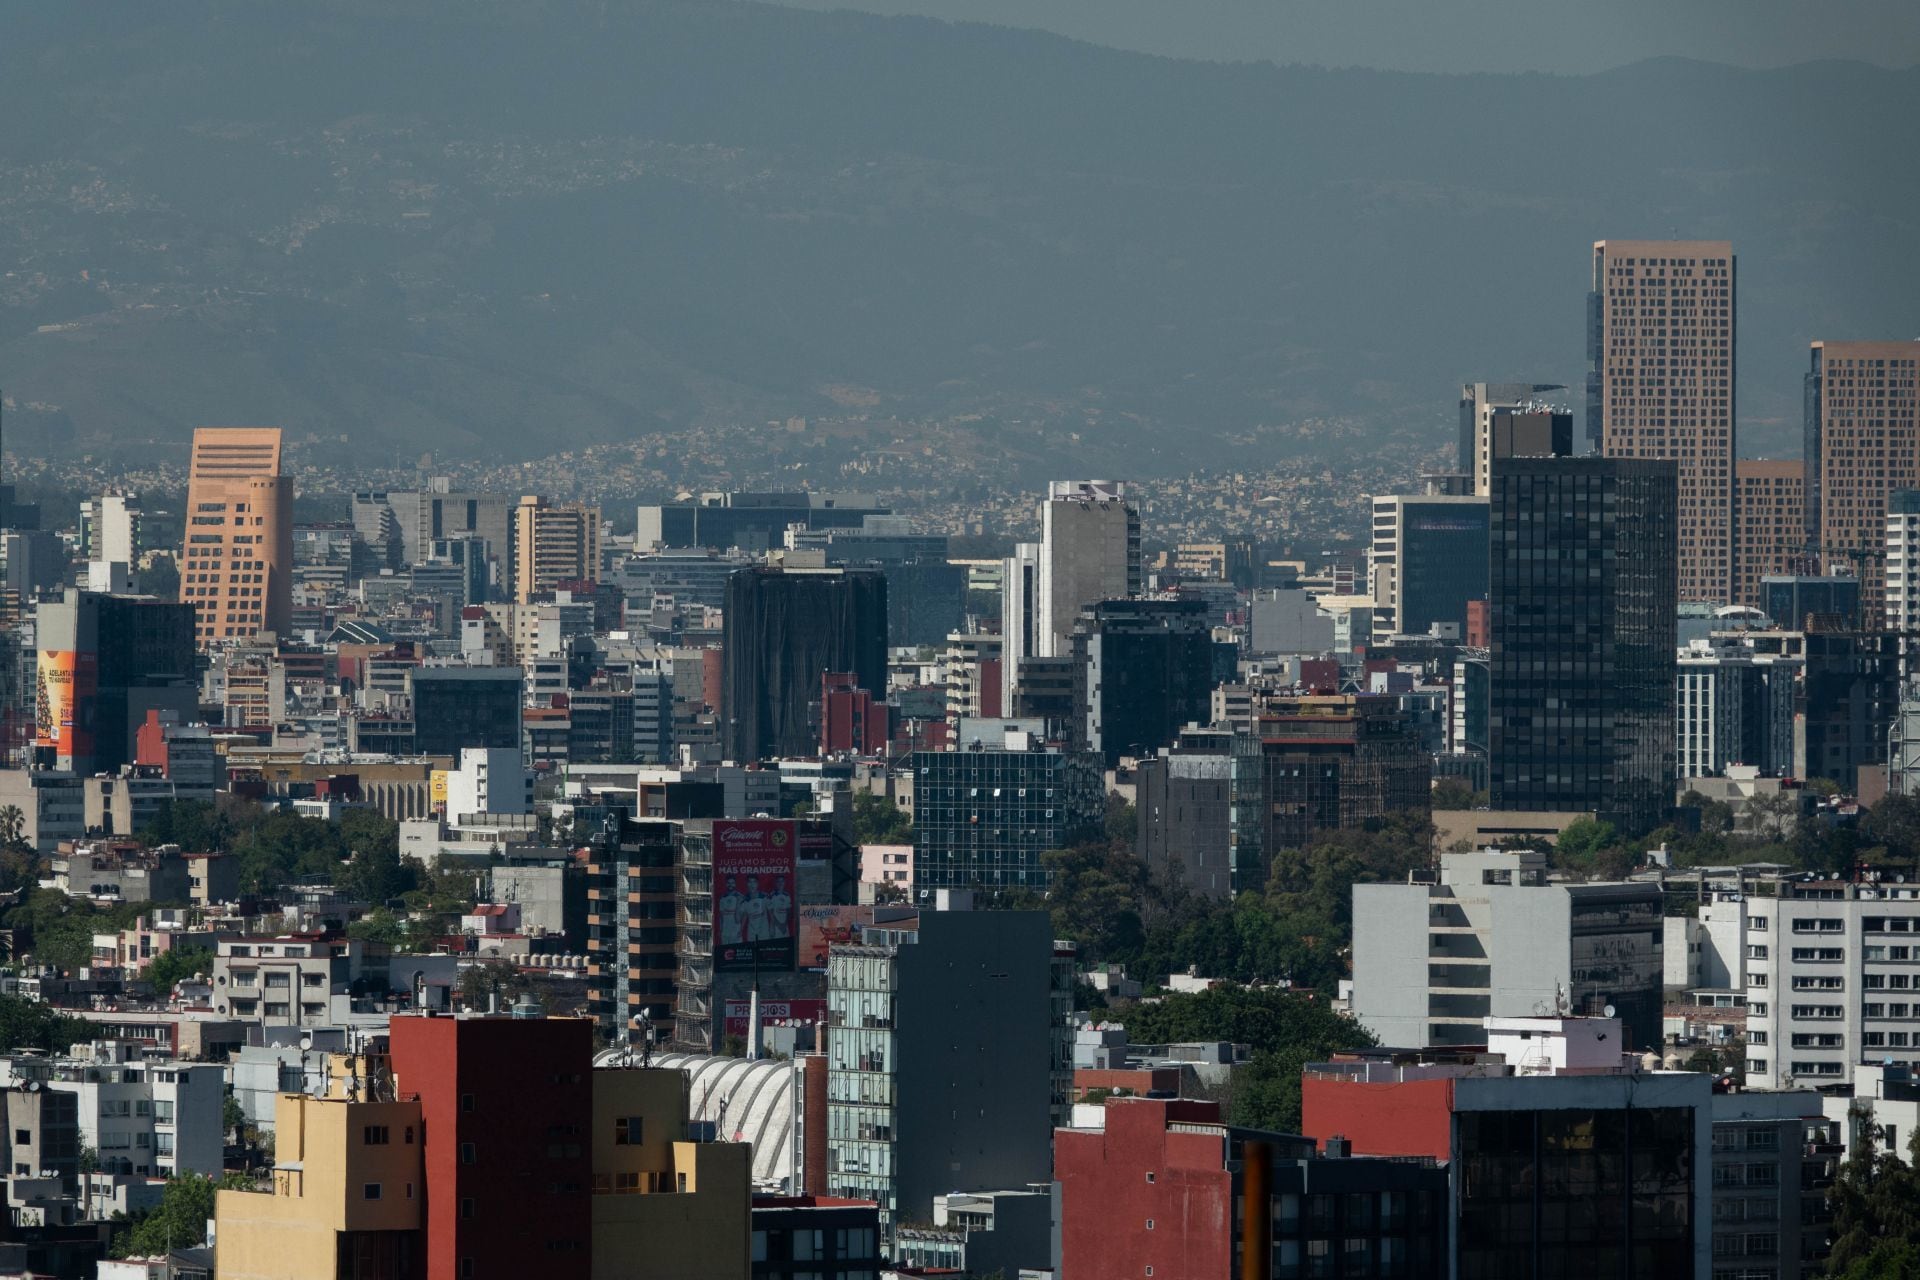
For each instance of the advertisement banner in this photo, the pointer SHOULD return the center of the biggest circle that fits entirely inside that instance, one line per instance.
(64, 703)
(821, 927)
(773, 1013)
(754, 916)
(437, 789)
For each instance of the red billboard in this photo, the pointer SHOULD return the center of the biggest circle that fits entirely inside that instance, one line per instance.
(773, 1013)
(754, 912)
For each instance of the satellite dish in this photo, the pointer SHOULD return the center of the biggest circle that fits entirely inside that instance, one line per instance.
(1608, 1011)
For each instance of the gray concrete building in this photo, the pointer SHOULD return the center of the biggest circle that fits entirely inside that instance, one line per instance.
(1493, 939)
(939, 1073)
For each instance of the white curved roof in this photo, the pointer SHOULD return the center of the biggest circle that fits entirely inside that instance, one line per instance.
(758, 1098)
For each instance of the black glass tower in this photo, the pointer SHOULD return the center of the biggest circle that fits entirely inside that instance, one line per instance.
(1581, 680)
(785, 628)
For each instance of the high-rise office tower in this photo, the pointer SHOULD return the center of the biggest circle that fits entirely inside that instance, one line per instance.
(1515, 412)
(104, 662)
(1863, 442)
(1770, 497)
(1089, 551)
(785, 628)
(1582, 663)
(1660, 384)
(553, 545)
(1428, 559)
(440, 511)
(237, 570)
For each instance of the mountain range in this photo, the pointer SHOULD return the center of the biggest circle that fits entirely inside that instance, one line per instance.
(515, 228)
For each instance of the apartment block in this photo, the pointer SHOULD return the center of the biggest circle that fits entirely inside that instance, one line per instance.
(1862, 443)
(1660, 384)
(553, 545)
(1833, 981)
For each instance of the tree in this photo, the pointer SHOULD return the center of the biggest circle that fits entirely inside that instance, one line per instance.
(1768, 811)
(1454, 793)
(1285, 1030)
(1584, 838)
(1122, 824)
(180, 1221)
(878, 820)
(1876, 1204)
(27, 1024)
(177, 963)
(1894, 825)
(13, 825)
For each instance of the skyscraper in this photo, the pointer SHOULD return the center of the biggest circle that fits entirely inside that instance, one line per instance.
(1582, 663)
(1142, 669)
(1770, 498)
(238, 562)
(1512, 409)
(1863, 441)
(1089, 551)
(785, 628)
(553, 545)
(1660, 384)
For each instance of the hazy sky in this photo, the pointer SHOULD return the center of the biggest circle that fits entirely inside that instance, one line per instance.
(1462, 35)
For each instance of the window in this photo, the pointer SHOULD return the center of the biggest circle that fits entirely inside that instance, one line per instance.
(467, 1153)
(374, 1135)
(466, 1102)
(24, 1137)
(1149, 1224)
(372, 1191)
(1149, 1175)
(627, 1130)
(466, 1267)
(466, 1206)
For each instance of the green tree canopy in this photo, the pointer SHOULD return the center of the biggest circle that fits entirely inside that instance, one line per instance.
(28, 1024)
(180, 1220)
(1876, 1206)
(176, 963)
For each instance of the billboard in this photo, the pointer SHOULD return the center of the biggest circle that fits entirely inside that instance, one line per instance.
(64, 703)
(437, 788)
(772, 1013)
(754, 916)
(821, 927)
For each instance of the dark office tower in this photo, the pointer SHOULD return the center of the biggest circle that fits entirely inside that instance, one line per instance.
(104, 662)
(1660, 384)
(1142, 669)
(1519, 416)
(1848, 698)
(785, 628)
(1582, 662)
(455, 707)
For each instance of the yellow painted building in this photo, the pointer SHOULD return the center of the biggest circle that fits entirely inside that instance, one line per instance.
(664, 1208)
(348, 1184)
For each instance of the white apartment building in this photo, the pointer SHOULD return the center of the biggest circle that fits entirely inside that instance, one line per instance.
(1833, 981)
(489, 780)
(151, 1117)
(295, 980)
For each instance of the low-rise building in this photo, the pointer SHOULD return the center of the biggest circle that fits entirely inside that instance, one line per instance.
(1492, 937)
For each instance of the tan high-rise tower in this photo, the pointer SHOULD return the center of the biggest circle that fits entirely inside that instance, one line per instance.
(552, 545)
(237, 565)
(1863, 442)
(1770, 497)
(1660, 384)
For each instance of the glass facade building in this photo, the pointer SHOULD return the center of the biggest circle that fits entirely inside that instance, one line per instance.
(982, 819)
(455, 707)
(1582, 663)
(1576, 1192)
